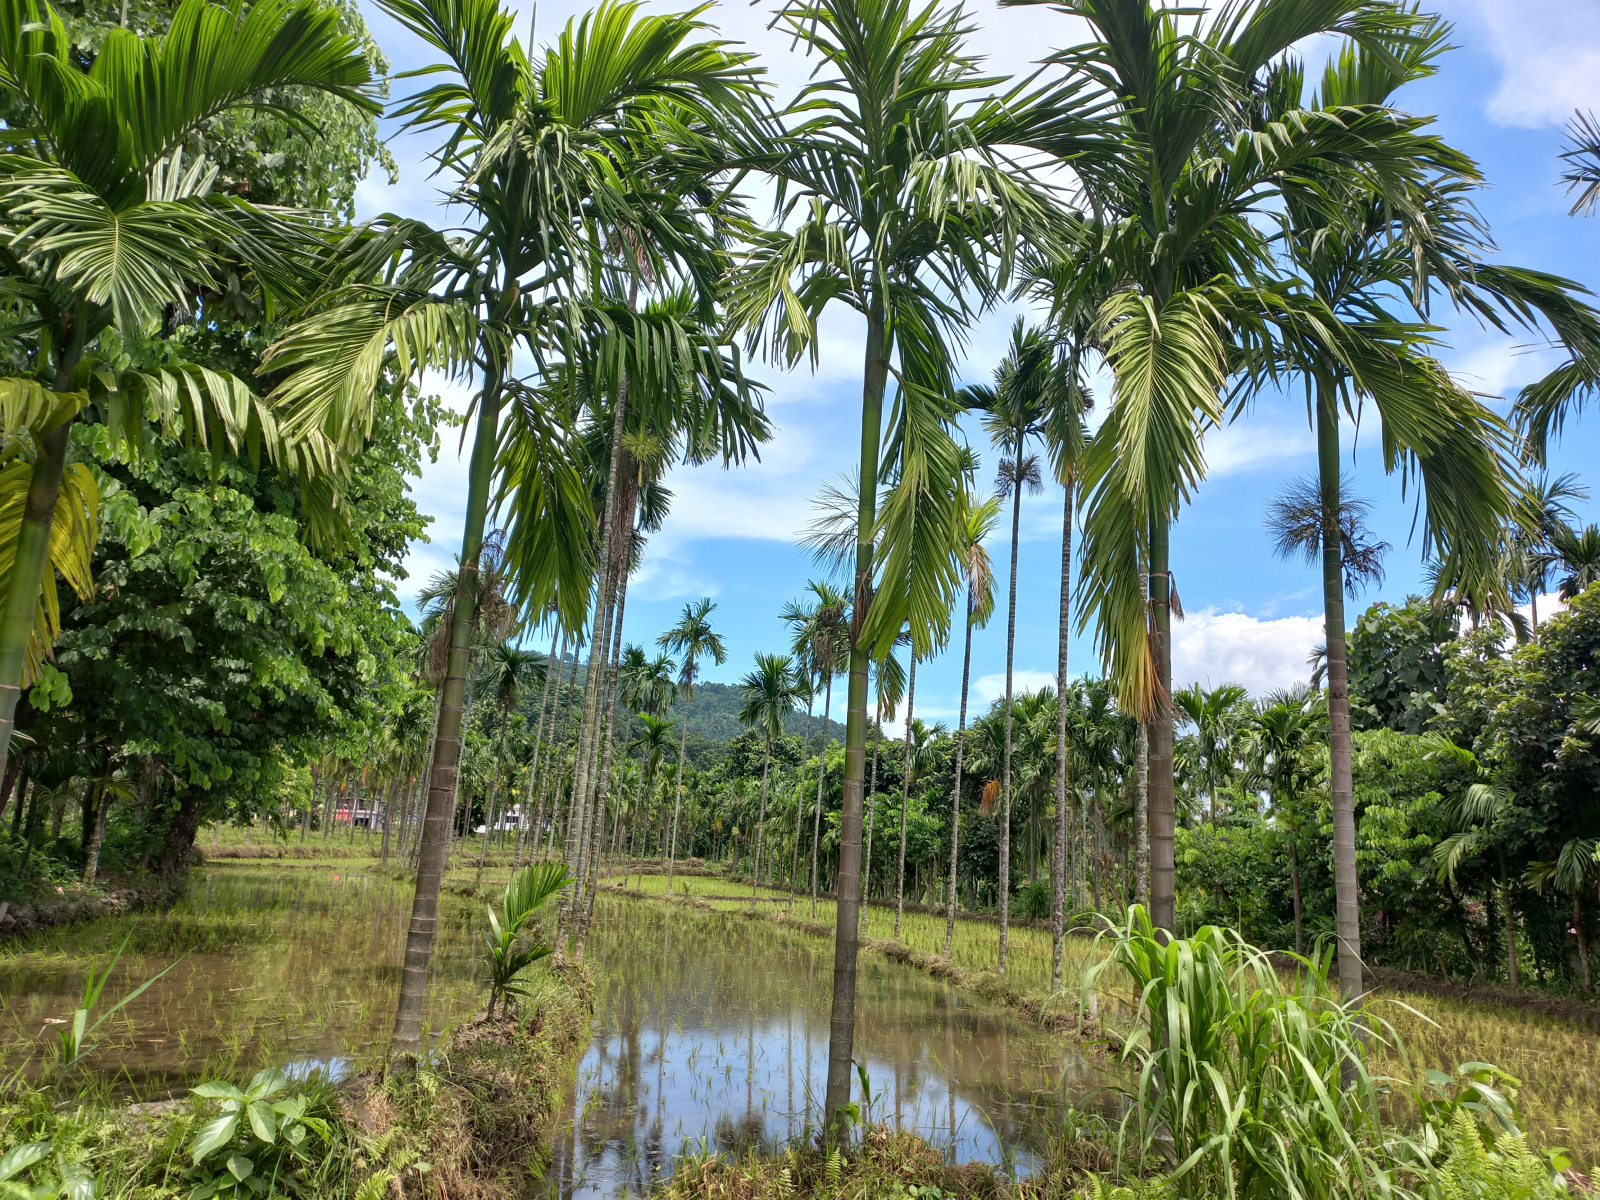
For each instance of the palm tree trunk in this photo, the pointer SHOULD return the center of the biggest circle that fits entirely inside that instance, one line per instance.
(1341, 788)
(388, 818)
(761, 821)
(955, 796)
(447, 740)
(91, 861)
(1511, 924)
(677, 799)
(800, 800)
(611, 682)
(1294, 877)
(822, 775)
(1058, 862)
(1583, 939)
(594, 676)
(1163, 818)
(1141, 817)
(494, 789)
(905, 797)
(1005, 760)
(872, 805)
(847, 941)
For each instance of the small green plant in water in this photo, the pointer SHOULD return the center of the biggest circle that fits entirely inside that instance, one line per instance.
(257, 1145)
(526, 892)
(75, 1044)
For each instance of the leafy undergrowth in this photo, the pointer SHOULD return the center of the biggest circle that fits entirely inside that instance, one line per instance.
(467, 1124)
(477, 1115)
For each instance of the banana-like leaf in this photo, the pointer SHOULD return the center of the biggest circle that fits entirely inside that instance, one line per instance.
(28, 404)
(73, 533)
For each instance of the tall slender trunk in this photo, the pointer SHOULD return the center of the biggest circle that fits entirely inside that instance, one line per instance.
(1058, 860)
(1005, 760)
(761, 820)
(905, 797)
(435, 842)
(872, 803)
(1141, 816)
(1341, 788)
(1294, 881)
(1583, 940)
(388, 818)
(800, 800)
(97, 828)
(555, 757)
(1163, 818)
(611, 681)
(822, 775)
(955, 796)
(847, 939)
(677, 798)
(593, 689)
(1511, 924)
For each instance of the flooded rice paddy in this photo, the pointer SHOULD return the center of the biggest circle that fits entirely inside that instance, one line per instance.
(711, 1031)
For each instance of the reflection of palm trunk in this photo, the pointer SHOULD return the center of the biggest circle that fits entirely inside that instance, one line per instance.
(822, 775)
(905, 797)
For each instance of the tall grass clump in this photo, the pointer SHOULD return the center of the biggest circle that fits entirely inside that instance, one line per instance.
(1241, 1084)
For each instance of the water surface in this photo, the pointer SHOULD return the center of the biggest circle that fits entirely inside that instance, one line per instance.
(711, 1034)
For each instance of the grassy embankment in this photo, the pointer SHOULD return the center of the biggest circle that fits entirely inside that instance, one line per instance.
(295, 963)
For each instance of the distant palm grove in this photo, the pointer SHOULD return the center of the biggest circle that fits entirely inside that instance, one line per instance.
(216, 394)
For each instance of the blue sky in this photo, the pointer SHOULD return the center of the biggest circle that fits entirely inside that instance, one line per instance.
(1520, 69)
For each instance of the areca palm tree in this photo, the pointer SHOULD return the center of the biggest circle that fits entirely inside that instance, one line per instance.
(1356, 244)
(895, 200)
(583, 169)
(1161, 118)
(653, 745)
(1015, 410)
(977, 523)
(107, 223)
(770, 693)
(694, 639)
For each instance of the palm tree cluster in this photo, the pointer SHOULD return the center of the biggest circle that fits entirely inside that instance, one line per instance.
(1175, 199)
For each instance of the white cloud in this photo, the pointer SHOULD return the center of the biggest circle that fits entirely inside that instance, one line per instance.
(990, 688)
(1212, 647)
(1254, 442)
(1548, 51)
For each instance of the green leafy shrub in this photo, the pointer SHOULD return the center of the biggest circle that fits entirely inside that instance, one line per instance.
(256, 1146)
(69, 1180)
(509, 954)
(1033, 901)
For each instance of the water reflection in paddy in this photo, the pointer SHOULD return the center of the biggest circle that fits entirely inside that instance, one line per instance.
(711, 1032)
